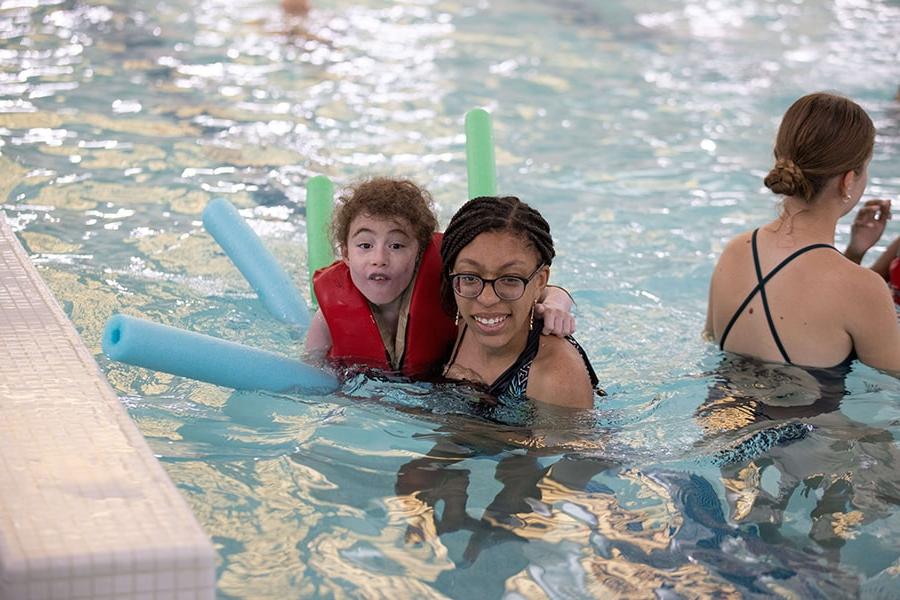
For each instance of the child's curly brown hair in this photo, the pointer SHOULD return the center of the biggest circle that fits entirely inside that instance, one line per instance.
(385, 198)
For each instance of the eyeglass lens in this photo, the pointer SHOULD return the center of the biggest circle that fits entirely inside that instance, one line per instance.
(506, 288)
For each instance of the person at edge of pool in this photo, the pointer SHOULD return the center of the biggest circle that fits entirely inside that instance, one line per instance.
(783, 293)
(299, 8)
(496, 256)
(870, 222)
(380, 302)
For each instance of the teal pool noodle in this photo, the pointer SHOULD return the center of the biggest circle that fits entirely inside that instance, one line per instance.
(270, 282)
(205, 358)
(319, 206)
(480, 164)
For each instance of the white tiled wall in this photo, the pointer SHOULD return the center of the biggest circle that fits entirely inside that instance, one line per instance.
(86, 511)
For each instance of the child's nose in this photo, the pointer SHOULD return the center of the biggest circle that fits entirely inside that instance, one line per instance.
(379, 256)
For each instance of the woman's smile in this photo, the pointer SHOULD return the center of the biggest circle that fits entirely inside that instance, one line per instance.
(490, 324)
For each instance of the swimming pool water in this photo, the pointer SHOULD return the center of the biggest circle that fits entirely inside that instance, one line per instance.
(641, 129)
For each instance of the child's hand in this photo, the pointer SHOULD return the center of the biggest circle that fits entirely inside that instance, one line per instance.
(555, 308)
(867, 228)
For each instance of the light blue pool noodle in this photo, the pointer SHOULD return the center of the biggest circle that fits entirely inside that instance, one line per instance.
(319, 206)
(205, 358)
(270, 282)
(480, 164)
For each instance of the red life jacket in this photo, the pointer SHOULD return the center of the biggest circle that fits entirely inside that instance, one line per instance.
(355, 339)
(894, 279)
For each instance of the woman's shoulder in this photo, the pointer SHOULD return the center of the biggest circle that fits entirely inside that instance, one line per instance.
(853, 295)
(559, 373)
(733, 258)
(871, 319)
(741, 240)
(553, 348)
(856, 281)
(736, 249)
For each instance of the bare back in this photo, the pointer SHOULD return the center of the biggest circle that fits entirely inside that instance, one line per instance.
(821, 307)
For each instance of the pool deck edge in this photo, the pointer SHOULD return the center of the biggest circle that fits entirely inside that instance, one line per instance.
(86, 510)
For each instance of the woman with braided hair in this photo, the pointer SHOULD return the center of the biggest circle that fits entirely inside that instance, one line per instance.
(380, 306)
(782, 293)
(496, 256)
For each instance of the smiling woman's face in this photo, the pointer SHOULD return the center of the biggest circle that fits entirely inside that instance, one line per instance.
(497, 323)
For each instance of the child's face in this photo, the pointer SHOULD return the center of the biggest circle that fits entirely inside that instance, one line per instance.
(381, 256)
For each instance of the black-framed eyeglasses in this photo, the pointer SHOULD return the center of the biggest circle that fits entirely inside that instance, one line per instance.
(506, 287)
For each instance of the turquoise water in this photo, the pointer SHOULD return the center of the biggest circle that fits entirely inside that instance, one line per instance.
(641, 129)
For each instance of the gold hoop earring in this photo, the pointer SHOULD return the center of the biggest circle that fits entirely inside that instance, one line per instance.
(456, 320)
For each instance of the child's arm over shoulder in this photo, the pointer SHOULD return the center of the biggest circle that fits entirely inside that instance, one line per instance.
(318, 338)
(559, 376)
(555, 308)
(873, 321)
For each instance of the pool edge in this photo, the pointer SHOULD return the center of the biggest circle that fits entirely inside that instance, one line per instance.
(86, 510)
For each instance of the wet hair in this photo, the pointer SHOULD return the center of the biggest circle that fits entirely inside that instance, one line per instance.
(821, 135)
(490, 214)
(385, 198)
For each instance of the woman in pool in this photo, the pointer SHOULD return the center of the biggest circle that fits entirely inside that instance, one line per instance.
(782, 293)
(496, 256)
(379, 302)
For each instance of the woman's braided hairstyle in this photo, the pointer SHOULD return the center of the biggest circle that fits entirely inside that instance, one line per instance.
(488, 214)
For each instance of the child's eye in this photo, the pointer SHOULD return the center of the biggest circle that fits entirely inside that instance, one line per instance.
(397, 246)
(364, 246)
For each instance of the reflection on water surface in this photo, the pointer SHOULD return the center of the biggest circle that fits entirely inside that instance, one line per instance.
(641, 130)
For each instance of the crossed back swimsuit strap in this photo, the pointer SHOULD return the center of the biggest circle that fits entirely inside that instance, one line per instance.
(761, 289)
(513, 382)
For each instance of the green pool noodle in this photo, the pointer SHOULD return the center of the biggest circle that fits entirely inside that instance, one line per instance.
(270, 282)
(480, 164)
(205, 358)
(319, 206)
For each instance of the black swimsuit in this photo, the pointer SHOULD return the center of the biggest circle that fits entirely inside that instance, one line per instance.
(513, 382)
(761, 290)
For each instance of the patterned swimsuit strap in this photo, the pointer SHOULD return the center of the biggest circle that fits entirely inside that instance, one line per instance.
(517, 373)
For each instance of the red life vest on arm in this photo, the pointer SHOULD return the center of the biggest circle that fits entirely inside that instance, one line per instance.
(355, 339)
(894, 279)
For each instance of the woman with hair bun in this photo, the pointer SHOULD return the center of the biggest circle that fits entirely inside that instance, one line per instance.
(783, 293)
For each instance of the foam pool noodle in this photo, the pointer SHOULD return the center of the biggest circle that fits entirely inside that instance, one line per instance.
(319, 206)
(480, 164)
(270, 282)
(205, 358)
